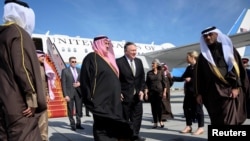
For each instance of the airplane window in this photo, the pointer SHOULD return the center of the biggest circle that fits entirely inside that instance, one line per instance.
(63, 49)
(86, 51)
(74, 49)
(69, 50)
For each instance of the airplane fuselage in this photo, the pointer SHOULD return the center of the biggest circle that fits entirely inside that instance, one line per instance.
(80, 47)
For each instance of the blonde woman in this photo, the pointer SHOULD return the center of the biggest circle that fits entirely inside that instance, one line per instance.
(191, 108)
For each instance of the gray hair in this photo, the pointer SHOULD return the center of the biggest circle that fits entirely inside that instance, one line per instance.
(157, 61)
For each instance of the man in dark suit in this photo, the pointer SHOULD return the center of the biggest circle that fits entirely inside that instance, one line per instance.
(132, 78)
(72, 93)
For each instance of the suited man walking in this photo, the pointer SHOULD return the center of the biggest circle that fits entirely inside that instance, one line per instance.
(72, 93)
(132, 78)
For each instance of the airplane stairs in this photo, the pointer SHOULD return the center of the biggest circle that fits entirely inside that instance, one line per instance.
(58, 106)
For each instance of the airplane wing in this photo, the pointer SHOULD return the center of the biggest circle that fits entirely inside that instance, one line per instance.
(176, 57)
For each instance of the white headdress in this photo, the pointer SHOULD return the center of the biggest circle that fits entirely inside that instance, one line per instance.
(21, 14)
(227, 47)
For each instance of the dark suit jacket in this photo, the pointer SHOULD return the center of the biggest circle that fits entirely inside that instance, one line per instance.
(67, 80)
(128, 80)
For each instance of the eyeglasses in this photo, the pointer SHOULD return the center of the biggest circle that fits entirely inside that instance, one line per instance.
(73, 61)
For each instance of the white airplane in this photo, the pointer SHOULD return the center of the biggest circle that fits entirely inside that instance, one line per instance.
(64, 46)
(67, 46)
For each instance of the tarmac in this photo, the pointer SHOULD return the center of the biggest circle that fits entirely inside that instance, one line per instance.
(59, 129)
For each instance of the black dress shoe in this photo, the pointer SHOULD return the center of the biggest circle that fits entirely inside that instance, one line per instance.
(162, 125)
(154, 127)
(79, 127)
(73, 127)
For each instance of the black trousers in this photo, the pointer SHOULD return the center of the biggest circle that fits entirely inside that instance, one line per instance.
(75, 103)
(86, 111)
(193, 110)
(156, 106)
(133, 113)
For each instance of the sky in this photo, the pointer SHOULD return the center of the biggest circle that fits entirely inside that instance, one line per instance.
(142, 21)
